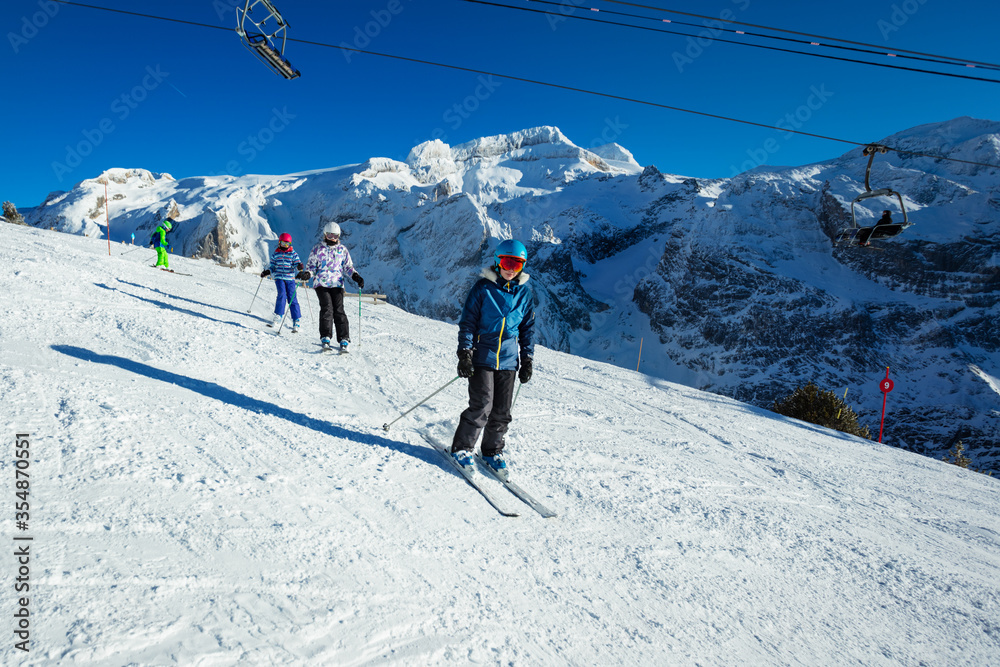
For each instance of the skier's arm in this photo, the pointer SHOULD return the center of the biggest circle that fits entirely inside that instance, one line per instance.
(526, 332)
(348, 265)
(469, 323)
(313, 261)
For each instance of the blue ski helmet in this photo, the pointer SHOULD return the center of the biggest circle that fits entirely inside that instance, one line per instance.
(510, 248)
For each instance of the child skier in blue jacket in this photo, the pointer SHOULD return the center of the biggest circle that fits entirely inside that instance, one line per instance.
(285, 267)
(495, 345)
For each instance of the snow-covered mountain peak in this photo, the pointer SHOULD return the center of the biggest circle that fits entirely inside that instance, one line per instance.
(503, 144)
(140, 177)
(618, 157)
(432, 161)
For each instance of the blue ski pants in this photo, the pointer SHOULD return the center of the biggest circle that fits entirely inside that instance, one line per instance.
(286, 292)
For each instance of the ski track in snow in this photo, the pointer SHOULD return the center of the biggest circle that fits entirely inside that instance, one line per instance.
(205, 492)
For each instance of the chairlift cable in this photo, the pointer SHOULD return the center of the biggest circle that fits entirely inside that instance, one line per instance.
(739, 43)
(553, 85)
(794, 32)
(873, 50)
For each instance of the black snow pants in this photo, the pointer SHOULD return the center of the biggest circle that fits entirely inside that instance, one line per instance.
(490, 396)
(331, 313)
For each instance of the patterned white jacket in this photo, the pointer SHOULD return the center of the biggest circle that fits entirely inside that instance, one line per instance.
(330, 265)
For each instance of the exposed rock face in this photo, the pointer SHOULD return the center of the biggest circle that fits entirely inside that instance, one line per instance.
(730, 285)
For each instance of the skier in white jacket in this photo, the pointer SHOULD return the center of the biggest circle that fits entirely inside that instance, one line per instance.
(329, 263)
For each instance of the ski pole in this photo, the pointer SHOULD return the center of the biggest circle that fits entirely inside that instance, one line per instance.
(312, 319)
(359, 316)
(515, 396)
(385, 427)
(133, 250)
(255, 294)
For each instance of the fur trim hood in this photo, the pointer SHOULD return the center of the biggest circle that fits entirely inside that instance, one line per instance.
(493, 276)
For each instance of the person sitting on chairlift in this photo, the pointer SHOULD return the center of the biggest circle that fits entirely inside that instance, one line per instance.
(886, 219)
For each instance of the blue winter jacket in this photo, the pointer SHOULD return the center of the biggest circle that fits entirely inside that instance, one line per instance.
(498, 322)
(285, 264)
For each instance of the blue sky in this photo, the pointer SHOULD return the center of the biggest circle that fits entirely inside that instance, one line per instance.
(87, 90)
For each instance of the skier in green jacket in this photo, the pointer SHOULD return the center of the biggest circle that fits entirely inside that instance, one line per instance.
(159, 241)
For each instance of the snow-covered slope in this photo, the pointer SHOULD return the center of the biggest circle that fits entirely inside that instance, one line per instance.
(728, 285)
(205, 492)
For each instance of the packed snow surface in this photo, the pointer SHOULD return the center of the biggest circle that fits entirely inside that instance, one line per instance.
(205, 492)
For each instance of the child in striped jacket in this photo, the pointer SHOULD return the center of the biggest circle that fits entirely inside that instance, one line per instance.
(285, 267)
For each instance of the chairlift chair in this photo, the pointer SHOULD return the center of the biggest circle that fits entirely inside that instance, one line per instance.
(259, 41)
(862, 236)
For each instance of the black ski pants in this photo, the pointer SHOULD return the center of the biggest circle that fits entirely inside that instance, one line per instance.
(331, 313)
(490, 395)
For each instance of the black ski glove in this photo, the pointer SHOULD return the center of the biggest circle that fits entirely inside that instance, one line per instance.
(465, 368)
(359, 280)
(524, 374)
(265, 273)
(303, 275)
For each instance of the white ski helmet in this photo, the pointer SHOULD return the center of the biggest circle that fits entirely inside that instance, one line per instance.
(333, 229)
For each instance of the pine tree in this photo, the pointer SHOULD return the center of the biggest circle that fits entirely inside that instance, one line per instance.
(10, 212)
(956, 456)
(823, 408)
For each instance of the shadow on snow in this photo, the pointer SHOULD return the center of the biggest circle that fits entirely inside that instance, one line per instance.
(220, 393)
(167, 306)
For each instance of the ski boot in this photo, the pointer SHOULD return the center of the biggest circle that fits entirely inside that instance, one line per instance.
(463, 457)
(498, 465)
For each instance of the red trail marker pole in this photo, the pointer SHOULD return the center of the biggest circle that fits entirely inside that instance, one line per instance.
(886, 386)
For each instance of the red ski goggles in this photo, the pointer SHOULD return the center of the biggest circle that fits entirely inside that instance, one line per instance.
(509, 263)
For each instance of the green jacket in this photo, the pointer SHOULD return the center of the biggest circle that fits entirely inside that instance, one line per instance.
(159, 238)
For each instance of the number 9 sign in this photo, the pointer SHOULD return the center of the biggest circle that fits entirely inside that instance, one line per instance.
(885, 385)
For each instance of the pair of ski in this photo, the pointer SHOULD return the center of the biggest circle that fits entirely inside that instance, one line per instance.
(474, 480)
(326, 348)
(171, 271)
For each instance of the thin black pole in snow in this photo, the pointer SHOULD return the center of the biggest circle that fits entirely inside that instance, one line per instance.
(254, 294)
(385, 427)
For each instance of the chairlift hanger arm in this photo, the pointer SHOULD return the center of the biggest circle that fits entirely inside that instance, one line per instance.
(261, 42)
